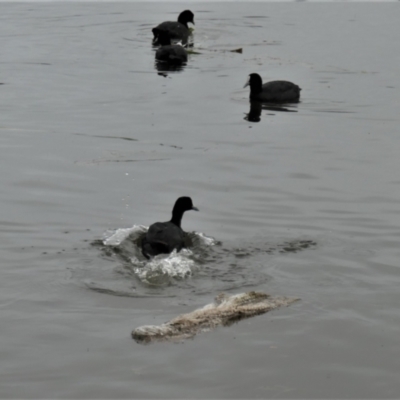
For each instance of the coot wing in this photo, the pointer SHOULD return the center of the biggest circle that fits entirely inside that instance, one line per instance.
(162, 237)
(176, 30)
(280, 91)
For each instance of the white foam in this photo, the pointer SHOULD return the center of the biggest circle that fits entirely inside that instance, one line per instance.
(160, 268)
(116, 237)
(174, 265)
(205, 240)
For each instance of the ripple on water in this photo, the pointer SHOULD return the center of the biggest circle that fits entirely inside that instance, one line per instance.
(205, 266)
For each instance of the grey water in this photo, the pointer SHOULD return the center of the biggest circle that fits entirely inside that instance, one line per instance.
(299, 200)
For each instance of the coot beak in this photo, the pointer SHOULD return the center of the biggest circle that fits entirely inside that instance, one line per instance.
(247, 83)
(195, 209)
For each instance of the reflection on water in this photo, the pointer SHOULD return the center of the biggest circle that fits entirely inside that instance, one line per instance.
(256, 107)
(163, 67)
(255, 112)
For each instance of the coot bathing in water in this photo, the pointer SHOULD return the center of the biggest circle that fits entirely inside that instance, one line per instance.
(178, 30)
(164, 237)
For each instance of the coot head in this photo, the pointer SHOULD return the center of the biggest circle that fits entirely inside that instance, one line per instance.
(185, 17)
(181, 205)
(255, 83)
(184, 204)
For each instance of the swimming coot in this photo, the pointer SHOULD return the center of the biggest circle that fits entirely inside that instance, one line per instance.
(170, 53)
(164, 237)
(178, 30)
(274, 91)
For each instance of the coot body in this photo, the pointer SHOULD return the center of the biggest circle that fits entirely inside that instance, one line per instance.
(178, 30)
(272, 92)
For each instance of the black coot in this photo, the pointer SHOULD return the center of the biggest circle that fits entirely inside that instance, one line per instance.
(164, 237)
(272, 92)
(170, 53)
(178, 30)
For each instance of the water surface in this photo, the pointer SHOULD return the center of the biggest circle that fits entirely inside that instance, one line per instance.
(95, 140)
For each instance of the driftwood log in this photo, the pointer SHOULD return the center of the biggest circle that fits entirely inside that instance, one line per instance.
(224, 311)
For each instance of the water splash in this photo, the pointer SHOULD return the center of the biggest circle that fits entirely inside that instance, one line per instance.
(204, 266)
(162, 269)
(117, 236)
